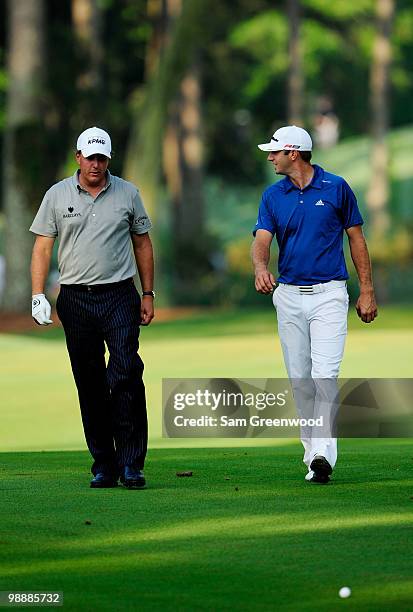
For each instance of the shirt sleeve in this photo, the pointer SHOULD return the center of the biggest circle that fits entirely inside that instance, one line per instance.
(350, 209)
(140, 223)
(44, 223)
(265, 217)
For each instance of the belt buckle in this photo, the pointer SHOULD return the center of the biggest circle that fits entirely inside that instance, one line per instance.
(306, 289)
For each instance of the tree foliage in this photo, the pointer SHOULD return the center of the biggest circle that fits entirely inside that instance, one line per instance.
(241, 49)
(244, 62)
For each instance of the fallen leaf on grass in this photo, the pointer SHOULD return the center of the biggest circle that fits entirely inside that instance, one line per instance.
(183, 474)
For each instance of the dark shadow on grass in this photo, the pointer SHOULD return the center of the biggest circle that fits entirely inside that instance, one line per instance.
(196, 543)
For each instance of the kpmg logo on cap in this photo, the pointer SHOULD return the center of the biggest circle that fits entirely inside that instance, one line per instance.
(97, 140)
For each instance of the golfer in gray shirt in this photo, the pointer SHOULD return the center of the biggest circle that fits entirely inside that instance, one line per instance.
(102, 229)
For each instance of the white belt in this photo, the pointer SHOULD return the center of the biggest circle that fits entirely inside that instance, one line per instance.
(309, 289)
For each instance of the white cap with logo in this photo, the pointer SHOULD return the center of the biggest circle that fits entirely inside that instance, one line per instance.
(288, 138)
(94, 141)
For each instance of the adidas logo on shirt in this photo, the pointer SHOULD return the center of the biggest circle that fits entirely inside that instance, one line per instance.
(319, 203)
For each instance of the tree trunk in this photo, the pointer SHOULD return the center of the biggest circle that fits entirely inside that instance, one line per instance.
(183, 156)
(23, 131)
(378, 192)
(183, 165)
(167, 129)
(87, 20)
(142, 165)
(160, 13)
(295, 83)
(181, 36)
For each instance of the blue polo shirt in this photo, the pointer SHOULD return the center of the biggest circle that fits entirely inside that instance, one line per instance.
(308, 225)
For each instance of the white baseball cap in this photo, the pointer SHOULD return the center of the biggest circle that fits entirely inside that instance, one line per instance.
(94, 140)
(289, 138)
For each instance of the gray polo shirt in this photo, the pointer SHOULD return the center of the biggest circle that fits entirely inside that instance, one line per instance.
(94, 234)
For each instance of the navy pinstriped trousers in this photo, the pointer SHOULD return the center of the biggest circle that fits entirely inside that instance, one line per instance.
(112, 397)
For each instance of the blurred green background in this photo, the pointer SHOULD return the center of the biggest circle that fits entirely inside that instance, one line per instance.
(187, 90)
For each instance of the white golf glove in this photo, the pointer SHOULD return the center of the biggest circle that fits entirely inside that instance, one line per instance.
(41, 309)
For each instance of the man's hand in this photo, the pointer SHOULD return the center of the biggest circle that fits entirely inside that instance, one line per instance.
(147, 311)
(264, 281)
(366, 306)
(41, 309)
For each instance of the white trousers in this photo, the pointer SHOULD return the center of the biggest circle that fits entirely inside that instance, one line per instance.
(312, 328)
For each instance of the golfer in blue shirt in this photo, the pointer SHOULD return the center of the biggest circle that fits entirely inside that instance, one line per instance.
(308, 212)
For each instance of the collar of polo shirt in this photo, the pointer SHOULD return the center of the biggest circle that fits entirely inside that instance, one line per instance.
(79, 186)
(316, 181)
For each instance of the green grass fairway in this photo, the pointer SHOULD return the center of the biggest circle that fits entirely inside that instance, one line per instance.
(39, 401)
(246, 532)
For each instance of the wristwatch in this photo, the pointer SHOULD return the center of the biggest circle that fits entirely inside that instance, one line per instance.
(151, 293)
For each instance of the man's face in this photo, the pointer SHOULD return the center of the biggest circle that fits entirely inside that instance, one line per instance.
(93, 169)
(280, 161)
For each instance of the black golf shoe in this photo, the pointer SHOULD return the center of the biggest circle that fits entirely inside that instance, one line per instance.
(103, 481)
(322, 470)
(132, 477)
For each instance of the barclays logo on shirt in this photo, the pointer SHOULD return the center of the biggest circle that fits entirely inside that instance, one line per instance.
(71, 213)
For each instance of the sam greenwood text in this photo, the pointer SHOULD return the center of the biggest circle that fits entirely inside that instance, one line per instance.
(253, 421)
